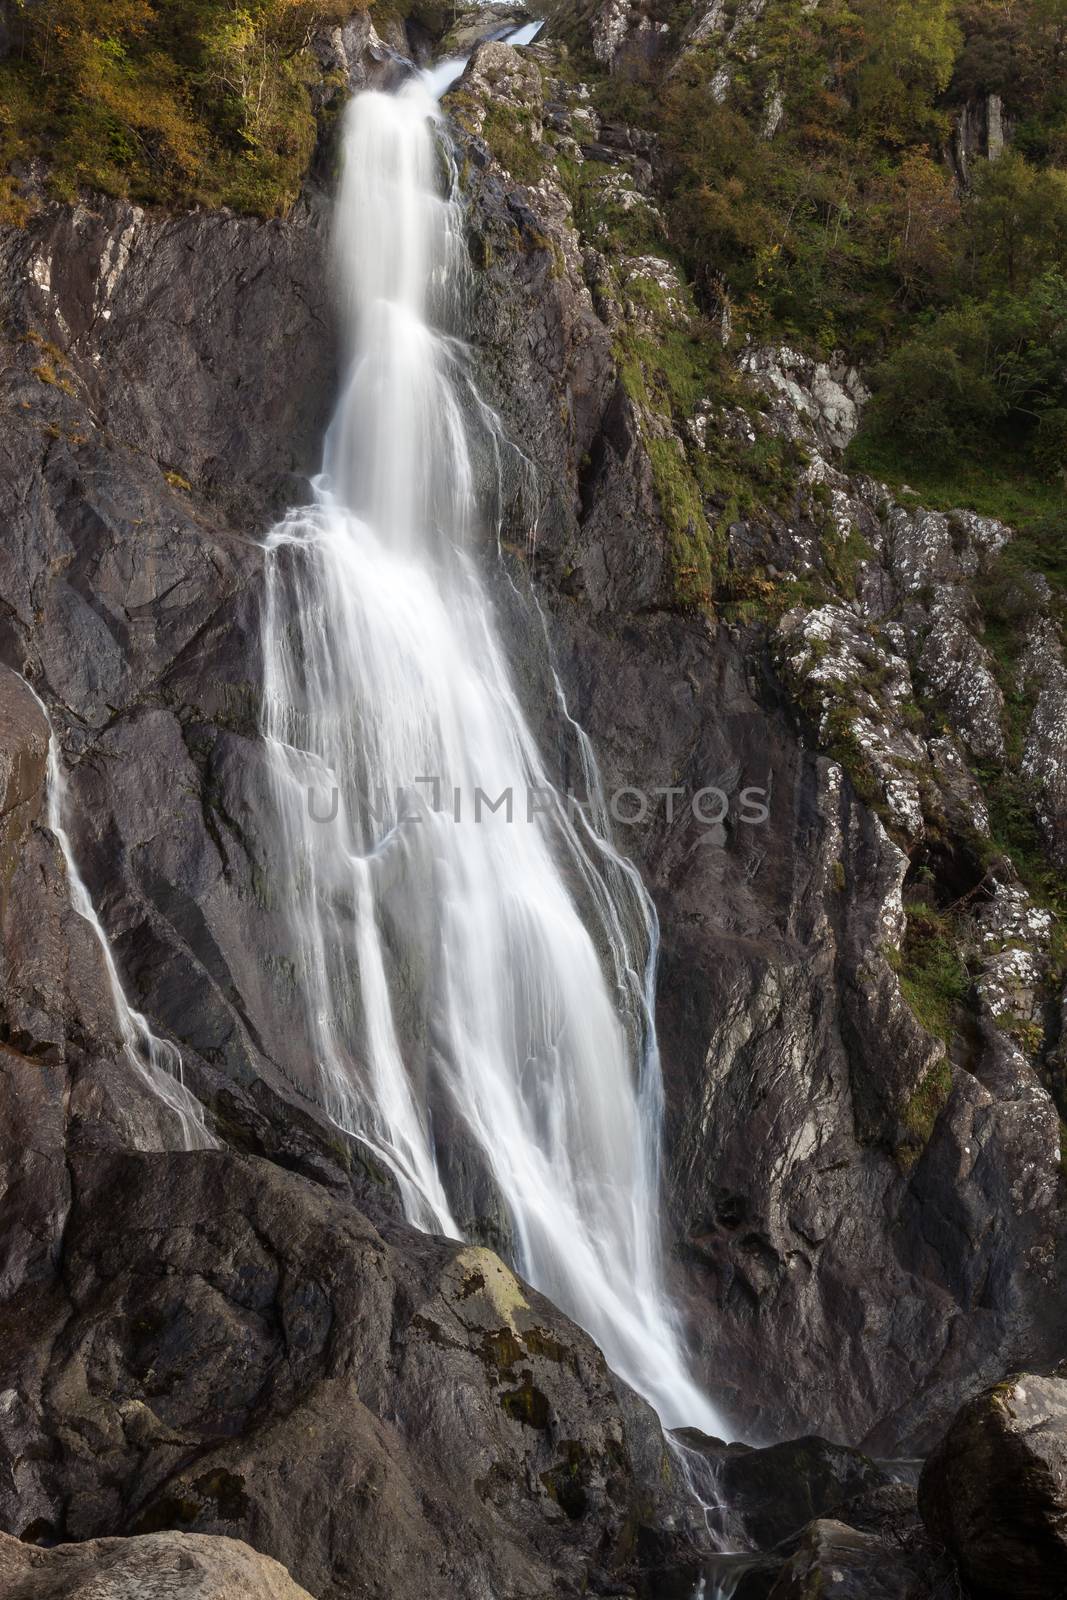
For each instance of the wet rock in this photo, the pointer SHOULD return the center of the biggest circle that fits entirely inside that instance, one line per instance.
(995, 1490)
(784, 1029)
(837, 1194)
(773, 1493)
(165, 340)
(354, 56)
(475, 23)
(180, 1565)
(836, 1562)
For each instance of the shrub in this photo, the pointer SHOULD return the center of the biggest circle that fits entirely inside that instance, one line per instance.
(994, 366)
(174, 101)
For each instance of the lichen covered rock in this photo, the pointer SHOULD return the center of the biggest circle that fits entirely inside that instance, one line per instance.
(995, 1490)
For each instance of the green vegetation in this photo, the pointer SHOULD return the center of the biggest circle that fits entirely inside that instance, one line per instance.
(933, 978)
(922, 1111)
(844, 227)
(507, 132)
(170, 101)
(671, 363)
(986, 369)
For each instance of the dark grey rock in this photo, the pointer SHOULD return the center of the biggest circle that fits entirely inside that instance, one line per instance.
(824, 1194)
(836, 1562)
(234, 1351)
(995, 1489)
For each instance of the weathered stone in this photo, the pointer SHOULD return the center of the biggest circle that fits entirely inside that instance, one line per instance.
(836, 1562)
(995, 1490)
(237, 1352)
(180, 1566)
(784, 1030)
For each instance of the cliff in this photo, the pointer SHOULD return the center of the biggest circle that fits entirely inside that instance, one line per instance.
(861, 1001)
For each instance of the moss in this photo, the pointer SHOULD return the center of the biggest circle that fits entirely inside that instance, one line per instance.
(500, 1285)
(923, 1110)
(601, 215)
(933, 975)
(508, 131)
(688, 534)
(1028, 1035)
(501, 1349)
(843, 744)
(565, 1481)
(526, 1404)
(844, 556)
(540, 1342)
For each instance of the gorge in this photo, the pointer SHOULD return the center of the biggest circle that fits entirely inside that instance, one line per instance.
(518, 1135)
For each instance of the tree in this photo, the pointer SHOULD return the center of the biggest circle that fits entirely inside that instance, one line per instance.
(910, 49)
(1017, 221)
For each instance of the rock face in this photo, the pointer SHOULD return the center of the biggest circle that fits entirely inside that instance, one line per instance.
(179, 1566)
(838, 1563)
(828, 1520)
(249, 1342)
(995, 1490)
(234, 1351)
(827, 1158)
(144, 356)
(773, 1494)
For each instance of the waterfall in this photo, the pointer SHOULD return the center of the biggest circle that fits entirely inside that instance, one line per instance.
(156, 1061)
(476, 984)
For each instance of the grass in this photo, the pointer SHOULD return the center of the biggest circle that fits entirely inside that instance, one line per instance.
(508, 131)
(990, 487)
(936, 985)
(933, 978)
(922, 1111)
(689, 537)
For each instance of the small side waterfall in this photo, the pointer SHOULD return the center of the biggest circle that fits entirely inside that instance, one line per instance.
(469, 957)
(157, 1061)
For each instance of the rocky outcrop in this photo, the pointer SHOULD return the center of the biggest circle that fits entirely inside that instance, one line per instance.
(232, 1350)
(471, 26)
(995, 1490)
(840, 1563)
(230, 1342)
(827, 1521)
(828, 1161)
(179, 1565)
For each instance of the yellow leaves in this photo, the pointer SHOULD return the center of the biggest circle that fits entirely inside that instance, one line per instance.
(910, 49)
(170, 100)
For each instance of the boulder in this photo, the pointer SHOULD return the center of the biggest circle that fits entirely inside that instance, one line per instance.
(236, 1351)
(773, 1493)
(159, 1566)
(995, 1490)
(835, 1562)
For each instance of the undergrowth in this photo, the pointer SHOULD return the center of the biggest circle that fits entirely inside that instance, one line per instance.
(172, 102)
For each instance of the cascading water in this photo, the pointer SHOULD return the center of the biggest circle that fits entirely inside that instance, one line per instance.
(455, 963)
(157, 1061)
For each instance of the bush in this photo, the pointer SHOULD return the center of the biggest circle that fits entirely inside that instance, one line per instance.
(994, 368)
(175, 101)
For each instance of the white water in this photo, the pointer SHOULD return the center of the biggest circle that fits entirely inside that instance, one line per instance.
(157, 1061)
(495, 975)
